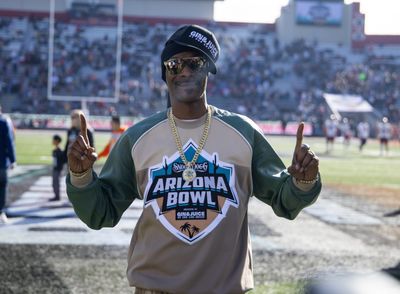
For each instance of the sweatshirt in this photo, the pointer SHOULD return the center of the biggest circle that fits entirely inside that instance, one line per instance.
(192, 237)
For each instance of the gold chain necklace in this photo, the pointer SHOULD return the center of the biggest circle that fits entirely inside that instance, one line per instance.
(189, 174)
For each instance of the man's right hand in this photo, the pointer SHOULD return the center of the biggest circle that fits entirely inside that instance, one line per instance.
(81, 156)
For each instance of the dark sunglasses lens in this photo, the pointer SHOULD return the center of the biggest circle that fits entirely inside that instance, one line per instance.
(174, 67)
(195, 64)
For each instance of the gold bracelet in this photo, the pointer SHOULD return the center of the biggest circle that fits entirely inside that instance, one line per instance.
(79, 175)
(313, 181)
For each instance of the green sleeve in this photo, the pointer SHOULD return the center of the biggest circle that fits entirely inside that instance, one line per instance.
(273, 185)
(102, 202)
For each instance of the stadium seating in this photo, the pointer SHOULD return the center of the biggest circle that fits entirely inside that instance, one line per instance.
(257, 75)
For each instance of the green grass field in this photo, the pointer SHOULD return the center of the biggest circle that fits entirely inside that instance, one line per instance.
(35, 147)
(344, 167)
(349, 166)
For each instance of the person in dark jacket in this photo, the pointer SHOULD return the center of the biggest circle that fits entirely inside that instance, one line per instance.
(7, 160)
(58, 163)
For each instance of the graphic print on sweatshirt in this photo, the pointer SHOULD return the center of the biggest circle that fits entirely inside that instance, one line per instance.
(191, 210)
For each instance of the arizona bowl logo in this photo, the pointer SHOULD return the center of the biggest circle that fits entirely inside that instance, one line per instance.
(191, 210)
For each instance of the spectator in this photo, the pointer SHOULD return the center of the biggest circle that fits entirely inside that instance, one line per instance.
(346, 132)
(58, 163)
(331, 129)
(7, 161)
(384, 135)
(363, 133)
(116, 132)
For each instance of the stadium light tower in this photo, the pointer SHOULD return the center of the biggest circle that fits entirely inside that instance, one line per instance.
(51, 70)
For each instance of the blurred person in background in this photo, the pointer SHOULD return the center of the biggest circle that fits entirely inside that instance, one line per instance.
(7, 160)
(331, 130)
(384, 135)
(362, 133)
(345, 129)
(116, 132)
(58, 163)
(396, 132)
(196, 168)
(74, 130)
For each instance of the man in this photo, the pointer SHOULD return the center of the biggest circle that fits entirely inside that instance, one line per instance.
(195, 167)
(346, 132)
(384, 135)
(58, 164)
(363, 133)
(331, 129)
(116, 132)
(7, 160)
(74, 130)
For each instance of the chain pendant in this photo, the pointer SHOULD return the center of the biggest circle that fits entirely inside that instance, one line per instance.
(189, 174)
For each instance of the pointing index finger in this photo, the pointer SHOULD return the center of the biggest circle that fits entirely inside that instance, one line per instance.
(299, 137)
(84, 128)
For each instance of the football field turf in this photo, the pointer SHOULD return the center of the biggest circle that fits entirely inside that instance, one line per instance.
(341, 167)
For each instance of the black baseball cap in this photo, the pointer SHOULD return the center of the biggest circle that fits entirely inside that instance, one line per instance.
(192, 37)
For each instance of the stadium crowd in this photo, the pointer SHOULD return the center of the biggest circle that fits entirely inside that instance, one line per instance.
(257, 75)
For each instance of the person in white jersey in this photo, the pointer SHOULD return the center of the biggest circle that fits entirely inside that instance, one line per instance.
(331, 128)
(384, 135)
(346, 132)
(363, 133)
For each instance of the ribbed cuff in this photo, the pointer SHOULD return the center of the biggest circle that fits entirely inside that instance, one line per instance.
(81, 182)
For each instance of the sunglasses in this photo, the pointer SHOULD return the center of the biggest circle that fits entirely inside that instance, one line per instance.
(176, 65)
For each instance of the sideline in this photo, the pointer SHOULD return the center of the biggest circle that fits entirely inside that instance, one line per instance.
(33, 219)
(22, 172)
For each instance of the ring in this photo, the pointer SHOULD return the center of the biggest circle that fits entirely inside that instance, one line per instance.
(307, 146)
